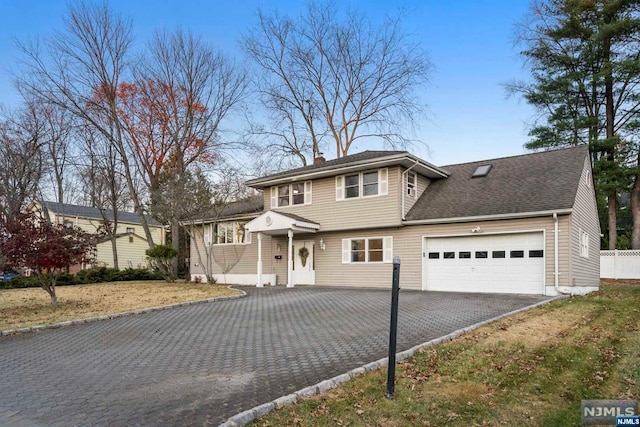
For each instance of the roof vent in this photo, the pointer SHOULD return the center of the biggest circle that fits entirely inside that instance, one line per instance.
(482, 170)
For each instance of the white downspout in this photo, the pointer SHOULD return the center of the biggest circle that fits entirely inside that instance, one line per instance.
(556, 272)
(403, 190)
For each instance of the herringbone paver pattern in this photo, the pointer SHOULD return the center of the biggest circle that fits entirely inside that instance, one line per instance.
(199, 365)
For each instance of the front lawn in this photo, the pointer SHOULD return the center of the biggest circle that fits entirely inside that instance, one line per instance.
(532, 369)
(21, 308)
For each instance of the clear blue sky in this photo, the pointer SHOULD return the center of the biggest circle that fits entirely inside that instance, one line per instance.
(469, 43)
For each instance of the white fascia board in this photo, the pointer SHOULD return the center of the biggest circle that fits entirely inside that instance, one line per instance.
(518, 215)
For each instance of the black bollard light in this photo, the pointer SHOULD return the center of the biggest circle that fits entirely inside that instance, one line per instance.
(393, 329)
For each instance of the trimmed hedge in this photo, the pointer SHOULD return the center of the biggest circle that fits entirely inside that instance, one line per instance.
(93, 275)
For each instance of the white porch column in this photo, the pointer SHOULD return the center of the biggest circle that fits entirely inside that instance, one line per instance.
(290, 260)
(259, 284)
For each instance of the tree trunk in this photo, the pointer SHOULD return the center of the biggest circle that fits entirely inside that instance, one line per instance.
(114, 249)
(175, 244)
(635, 209)
(611, 151)
(613, 220)
(54, 301)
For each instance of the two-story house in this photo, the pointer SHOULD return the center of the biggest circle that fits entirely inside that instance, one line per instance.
(131, 243)
(524, 224)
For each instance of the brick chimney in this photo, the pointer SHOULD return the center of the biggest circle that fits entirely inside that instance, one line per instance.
(318, 160)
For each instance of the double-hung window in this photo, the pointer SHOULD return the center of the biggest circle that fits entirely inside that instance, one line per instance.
(367, 250)
(412, 184)
(298, 193)
(362, 184)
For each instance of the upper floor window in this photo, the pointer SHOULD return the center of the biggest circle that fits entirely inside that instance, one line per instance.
(298, 193)
(131, 230)
(362, 184)
(412, 184)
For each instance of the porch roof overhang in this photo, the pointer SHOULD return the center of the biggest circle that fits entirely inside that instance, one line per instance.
(275, 223)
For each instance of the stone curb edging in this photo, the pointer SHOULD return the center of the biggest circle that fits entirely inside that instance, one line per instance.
(253, 414)
(39, 328)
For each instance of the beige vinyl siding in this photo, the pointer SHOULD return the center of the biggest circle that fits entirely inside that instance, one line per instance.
(129, 254)
(239, 258)
(365, 212)
(585, 271)
(407, 244)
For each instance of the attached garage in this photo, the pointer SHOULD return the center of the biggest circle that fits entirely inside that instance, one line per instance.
(504, 263)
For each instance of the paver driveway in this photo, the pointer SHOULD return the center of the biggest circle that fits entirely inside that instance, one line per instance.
(199, 365)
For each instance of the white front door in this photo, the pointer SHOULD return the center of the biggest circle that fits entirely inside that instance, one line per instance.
(303, 262)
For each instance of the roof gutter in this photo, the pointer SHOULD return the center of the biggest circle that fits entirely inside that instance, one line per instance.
(517, 215)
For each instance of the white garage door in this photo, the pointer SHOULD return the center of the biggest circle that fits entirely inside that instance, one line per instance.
(506, 263)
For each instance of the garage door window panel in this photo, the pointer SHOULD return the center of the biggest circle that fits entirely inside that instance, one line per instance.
(498, 254)
(517, 254)
(536, 253)
(449, 255)
(481, 254)
(434, 255)
(464, 255)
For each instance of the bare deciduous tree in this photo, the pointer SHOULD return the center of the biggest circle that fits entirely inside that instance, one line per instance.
(337, 75)
(103, 183)
(80, 70)
(21, 160)
(189, 89)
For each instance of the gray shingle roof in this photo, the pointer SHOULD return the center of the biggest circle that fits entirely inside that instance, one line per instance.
(330, 164)
(94, 213)
(252, 204)
(528, 183)
(296, 217)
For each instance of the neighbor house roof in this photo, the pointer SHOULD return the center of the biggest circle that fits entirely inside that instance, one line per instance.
(65, 209)
(538, 182)
(354, 162)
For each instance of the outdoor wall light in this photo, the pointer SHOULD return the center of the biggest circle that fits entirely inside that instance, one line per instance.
(322, 245)
(278, 247)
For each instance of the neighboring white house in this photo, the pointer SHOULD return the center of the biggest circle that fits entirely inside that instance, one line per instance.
(523, 224)
(131, 242)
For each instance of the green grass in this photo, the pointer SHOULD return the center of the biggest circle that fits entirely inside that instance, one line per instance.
(532, 369)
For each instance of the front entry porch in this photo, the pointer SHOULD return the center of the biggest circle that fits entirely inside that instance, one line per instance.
(277, 224)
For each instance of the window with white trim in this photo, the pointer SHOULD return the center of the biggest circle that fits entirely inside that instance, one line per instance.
(367, 250)
(412, 184)
(297, 193)
(584, 244)
(231, 232)
(362, 184)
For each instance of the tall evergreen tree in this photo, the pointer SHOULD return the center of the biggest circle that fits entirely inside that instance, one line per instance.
(584, 58)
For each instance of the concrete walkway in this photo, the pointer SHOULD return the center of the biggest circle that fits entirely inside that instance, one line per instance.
(201, 364)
